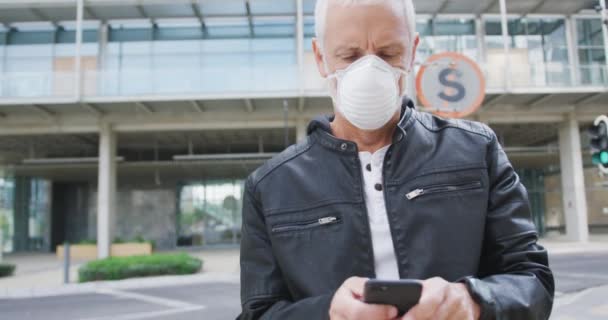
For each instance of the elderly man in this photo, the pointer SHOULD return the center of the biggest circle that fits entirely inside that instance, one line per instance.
(382, 191)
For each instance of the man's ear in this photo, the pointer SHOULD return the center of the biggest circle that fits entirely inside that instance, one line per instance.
(414, 48)
(319, 57)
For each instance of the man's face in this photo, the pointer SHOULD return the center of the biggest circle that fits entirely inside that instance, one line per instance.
(354, 31)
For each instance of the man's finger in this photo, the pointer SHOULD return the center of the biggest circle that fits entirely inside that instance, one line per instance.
(366, 311)
(451, 306)
(433, 294)
(356, 285)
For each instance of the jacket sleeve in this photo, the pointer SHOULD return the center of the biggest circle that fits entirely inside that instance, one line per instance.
(264, 292)
(515, 281)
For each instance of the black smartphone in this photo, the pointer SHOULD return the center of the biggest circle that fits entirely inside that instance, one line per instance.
(403, 294)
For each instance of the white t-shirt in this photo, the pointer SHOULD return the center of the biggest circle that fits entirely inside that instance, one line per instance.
(385, 261)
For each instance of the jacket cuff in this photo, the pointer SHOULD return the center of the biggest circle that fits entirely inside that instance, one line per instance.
(482, 295)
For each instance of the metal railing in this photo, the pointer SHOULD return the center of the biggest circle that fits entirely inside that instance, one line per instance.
(175, 81)
(257, 80)
(37, 84)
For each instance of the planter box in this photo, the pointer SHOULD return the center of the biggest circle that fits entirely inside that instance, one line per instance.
(89, 251)
(79, 251)
(131, 249)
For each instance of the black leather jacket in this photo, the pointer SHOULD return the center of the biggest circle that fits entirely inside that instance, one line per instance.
(305, 227)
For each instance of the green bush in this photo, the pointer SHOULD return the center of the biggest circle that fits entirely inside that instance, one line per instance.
(6, 269)
(116, 268)
(87, 241)
(117, 240)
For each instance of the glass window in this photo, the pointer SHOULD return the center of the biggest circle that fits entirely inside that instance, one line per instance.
(274, 27)
(223, 7)
(589, 32)
(7, 187)
(309, 32)
(39, 58)
(440, 35)
(273, 7)
(591, 53)
(538, 55)
(210, 213)
(229, 56)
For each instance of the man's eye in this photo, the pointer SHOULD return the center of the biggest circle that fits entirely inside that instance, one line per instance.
(387, 56)
(349, 58)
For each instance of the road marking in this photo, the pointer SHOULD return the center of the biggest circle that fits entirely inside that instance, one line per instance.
(176, 306)
(146, 315)
(146, 298)
(570, 299)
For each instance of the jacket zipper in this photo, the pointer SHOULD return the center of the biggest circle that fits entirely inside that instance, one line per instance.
(442, 188)
(306, 224)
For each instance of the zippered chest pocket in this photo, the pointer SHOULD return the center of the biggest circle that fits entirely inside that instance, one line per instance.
(306, 224)
(442, 188)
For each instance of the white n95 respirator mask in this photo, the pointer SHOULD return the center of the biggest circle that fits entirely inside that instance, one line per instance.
(367, 92)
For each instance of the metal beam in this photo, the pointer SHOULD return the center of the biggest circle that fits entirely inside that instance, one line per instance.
(581, 7)
(47, 128)
(91, 107)
(42, 16)
(486, 8)
(249, 17)
(520, 117)
(197, 12)
(90, 13)
(249, 105)
(588, 98)
(494, 100)
(198, 106)
(144, 106)
(198, 125)
(85, 140)
(142, 12)
(535, 8)
(44, 110)
(441, 8)
(540, 100)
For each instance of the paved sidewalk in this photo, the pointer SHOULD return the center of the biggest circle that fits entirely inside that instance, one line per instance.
(588, 304)
(42, 274)
(561, 245)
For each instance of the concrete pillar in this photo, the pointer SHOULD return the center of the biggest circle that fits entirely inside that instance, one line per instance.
(301, 125)
(573, 180)
(106, 189)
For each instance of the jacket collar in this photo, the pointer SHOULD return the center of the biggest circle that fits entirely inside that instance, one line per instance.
(320, 129)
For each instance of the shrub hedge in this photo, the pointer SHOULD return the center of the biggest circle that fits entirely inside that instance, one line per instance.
(116, 268)
(6, 269)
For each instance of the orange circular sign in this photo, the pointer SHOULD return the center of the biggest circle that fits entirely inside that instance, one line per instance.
(450, 85)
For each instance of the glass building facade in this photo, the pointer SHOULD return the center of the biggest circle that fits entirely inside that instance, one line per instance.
(261, 50)
(591, 51)
(209, 213)
(228, 55)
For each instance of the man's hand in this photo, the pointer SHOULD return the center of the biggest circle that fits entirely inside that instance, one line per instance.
(347, 304)
(442, 300)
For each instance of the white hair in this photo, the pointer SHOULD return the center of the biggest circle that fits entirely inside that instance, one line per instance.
(405, 7)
